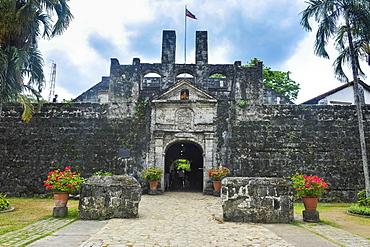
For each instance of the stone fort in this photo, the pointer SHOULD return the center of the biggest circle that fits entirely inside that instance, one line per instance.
(150, 114)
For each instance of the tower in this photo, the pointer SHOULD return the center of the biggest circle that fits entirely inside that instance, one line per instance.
(53, 75)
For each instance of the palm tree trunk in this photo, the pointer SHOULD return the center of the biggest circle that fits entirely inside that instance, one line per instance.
(358, 102)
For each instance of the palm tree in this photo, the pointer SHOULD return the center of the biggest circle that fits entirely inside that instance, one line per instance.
(22, 22)
(349, 22)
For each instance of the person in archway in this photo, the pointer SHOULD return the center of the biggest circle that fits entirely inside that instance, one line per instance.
(181, 179)
(175, 180)
(186, 180)
(167, 180)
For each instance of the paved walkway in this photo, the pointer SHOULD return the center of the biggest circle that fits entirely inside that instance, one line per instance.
(183, 219)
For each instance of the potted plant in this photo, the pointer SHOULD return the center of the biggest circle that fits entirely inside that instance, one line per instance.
(62, 183)
(309, 188)
(4, 203)
(217, 175)
(152, 175)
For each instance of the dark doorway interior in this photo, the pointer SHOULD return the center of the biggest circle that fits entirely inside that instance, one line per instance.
(193, 179)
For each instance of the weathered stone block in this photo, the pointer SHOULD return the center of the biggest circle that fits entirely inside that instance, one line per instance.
(104, 197)
(258, 200)
(60, 212)
(311, 216)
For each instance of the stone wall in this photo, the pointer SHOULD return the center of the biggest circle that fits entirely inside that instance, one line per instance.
(253, 141)
(279, 140)
(87, 137)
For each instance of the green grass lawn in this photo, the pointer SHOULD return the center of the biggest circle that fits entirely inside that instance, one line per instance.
(335, 214)
(30, 210)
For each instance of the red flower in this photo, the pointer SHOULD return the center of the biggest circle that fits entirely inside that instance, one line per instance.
(63, 180)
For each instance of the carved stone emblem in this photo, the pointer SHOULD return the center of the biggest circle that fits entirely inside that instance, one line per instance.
(184, 119)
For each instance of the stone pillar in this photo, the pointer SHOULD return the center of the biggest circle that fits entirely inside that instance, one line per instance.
(168, 47)
(201, 48)
(238, 89)
(257, 200)
(159, 160)
(208, 160)
(136, 78)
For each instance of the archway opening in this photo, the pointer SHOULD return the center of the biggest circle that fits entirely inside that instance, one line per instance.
(184, 167)
(152, 79)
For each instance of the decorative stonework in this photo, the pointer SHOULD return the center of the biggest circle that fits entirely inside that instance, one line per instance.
(185, 119)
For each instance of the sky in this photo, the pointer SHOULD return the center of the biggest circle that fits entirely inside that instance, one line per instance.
(238, 30)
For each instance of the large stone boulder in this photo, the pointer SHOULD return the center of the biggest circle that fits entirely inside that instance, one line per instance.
(257, 199)
(104, 197)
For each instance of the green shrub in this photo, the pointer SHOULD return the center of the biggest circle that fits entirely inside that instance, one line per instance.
(103, 173)
(4, 203)
(362, 200)
(357, 209)
(361, 194)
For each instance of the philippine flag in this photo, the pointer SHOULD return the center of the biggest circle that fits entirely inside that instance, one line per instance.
(189, 14)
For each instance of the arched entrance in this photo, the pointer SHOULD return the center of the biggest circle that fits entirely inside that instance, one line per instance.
(184, 153)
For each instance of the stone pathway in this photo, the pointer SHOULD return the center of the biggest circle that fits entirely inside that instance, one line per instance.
(32, 232)
(178, 219)
(181, 219)
(337, 235)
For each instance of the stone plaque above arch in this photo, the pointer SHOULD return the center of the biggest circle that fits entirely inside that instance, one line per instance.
(185, 119)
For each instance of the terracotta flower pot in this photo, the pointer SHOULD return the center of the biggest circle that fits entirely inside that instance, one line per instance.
(310, 202)
(153, 185)
(61, 199)
(217, 185)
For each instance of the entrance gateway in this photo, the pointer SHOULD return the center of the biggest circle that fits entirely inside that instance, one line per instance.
(183, 129)
(191, 153)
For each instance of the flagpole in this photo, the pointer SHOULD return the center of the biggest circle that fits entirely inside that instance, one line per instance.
(185, 37)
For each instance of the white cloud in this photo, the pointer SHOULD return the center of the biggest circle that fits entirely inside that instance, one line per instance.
(135, 27)
(314, 74)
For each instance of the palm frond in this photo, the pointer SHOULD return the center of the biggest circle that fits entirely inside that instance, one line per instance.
(338, 66)
(64, 17)
(329, 15)
(34, 69)
(28, 109)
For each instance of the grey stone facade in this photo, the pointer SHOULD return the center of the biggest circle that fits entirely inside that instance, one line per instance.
(233, 121)
(175, 119)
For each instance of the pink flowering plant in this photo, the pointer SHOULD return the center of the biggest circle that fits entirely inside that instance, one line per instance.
(308, 185)
(67, 180)
(218, 174)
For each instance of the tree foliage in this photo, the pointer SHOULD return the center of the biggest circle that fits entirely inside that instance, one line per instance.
(181, 164)
(22, 23)
(348, 22)
(278, 80)
(345, 21)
